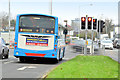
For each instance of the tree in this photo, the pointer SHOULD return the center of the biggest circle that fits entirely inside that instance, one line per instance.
(108, 26)
(4, 19)
(12, 23)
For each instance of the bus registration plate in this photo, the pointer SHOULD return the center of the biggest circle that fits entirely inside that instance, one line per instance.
(37, 41)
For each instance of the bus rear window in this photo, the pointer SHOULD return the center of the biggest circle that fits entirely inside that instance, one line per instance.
(37, 24)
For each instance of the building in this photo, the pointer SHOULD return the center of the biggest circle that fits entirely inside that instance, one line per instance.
(119, 13)
(75, 24)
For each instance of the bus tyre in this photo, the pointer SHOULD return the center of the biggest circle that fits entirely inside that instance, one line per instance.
(21, 59)
(55, 60)
(60, 59)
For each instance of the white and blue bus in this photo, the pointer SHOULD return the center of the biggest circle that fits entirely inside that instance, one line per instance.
(36, 36)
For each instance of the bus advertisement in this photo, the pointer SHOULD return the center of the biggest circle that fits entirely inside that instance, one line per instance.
(36, 36)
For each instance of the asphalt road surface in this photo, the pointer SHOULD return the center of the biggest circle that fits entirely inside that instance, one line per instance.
(12, 68)
(114, 54)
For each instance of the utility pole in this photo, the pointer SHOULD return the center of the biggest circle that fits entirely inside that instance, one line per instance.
(79, 29)
(1, 23)
(9, 21)
(51, 7)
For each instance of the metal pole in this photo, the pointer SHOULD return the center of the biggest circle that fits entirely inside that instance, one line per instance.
(51, 7)
(79, 22)
(86, 36)
(99, 33)
(9, 21)
(92, 37)
(1, 23)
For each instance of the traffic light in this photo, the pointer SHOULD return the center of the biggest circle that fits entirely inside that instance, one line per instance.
(101, 25)
(89, 22)
(65, 31)
(94, 24)
(83, 22)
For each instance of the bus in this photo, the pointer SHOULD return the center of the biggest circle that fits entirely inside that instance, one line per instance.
(36, 36)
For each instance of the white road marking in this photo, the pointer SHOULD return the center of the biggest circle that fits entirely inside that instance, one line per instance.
(22, 68)
(31, 67)
(8, 62)
(25, 67)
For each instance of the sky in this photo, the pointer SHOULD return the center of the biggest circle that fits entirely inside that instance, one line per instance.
(65, 9)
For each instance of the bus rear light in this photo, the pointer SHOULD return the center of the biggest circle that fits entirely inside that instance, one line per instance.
(55, 49)
(53, 55)
(17, 53)
(15, 46)
(15, 42)
(55, 45)
(21, 30)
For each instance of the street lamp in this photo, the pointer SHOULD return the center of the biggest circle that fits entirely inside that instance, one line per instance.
(50, 7)
(9, 20)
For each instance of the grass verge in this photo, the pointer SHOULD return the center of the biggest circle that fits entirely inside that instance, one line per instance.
(86, 67)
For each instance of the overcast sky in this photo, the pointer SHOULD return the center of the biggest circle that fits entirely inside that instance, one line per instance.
(65, 9)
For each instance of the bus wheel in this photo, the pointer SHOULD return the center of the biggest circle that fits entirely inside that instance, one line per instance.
(56, 60)
(60, 59)
(21, 59)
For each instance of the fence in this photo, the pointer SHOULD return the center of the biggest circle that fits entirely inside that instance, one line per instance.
(96, 51)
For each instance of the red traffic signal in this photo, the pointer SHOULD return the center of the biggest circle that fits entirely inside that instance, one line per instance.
(94, 20)
(89, 19)
(89, 23)
(83, 19)
(94, 24)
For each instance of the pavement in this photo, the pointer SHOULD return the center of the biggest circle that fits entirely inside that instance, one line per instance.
(12, 68)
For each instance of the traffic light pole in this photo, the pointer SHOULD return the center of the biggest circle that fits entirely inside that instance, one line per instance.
(92, 37)
(85, 53)
(99, 33)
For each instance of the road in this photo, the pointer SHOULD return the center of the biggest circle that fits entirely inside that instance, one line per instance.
(114, 54)
(12, 68)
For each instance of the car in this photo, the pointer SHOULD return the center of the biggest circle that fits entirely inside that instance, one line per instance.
(4, 50)
(117, 44)
(107, 44)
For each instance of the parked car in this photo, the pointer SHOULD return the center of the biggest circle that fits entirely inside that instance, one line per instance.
(107, 44)
(117, 44)
(4, 50)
